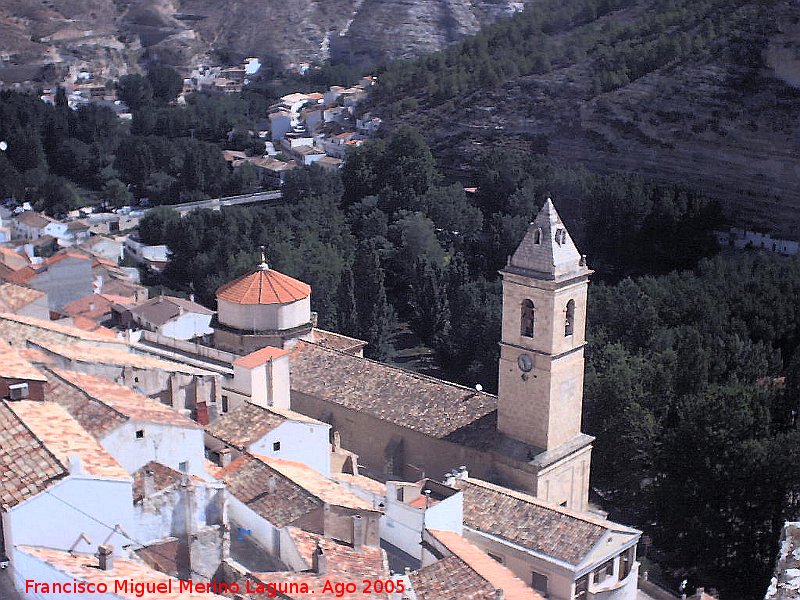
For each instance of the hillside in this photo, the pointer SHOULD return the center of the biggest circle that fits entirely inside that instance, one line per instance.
(115, 34)
(699, 94)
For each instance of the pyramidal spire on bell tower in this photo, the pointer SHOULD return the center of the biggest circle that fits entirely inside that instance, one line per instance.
(540, 391)
(547, 250)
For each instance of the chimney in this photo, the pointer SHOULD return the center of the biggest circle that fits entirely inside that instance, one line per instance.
(359, 532)
(224, 457)
(92, 306)
(272, 484)
(105, 554)
(191, 297)
(149, 483)
(462, 472)
(319, 562)
(499, 594)
(74, 464)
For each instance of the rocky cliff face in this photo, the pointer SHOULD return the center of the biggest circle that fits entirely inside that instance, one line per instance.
(709, 123)
(115, 33)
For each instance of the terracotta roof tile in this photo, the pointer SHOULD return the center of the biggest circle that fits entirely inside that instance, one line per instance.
(245, 425)
(344, 564)
(265, 286)
(64, 437)
(163, 309)
(34, 219)
(14, 297)
(248, 479)
(337, 341)
(26, 466)
(123, 400)
(18, 329)
(93, 306)
(529, 522)
(491, 571)
(317, 484)
(94, 416)
(450, 579)
(118, 356)
(14, 366)
(260, 357)
(163, 477)
(83, 567)
(425, 404)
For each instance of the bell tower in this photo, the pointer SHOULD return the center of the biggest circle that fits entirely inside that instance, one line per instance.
(540, 393)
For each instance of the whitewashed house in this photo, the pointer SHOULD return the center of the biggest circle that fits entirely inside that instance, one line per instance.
(172, 317)
(131, 427)
(271, 432)
(413, 507)
(31, 225)
(60, 488)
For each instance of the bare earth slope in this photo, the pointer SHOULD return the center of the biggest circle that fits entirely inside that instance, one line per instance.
(115, 33)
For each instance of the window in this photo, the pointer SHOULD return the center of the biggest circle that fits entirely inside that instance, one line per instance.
(539, 582)
(569, 318)
(139, 434)
(625, 562)
(564, 504)
(582, 588)
(183, 467)
(537, 236)
(496, 557)
(276, 446)
(528, 314)
(224, 404)
(561, 236)
(604, 571)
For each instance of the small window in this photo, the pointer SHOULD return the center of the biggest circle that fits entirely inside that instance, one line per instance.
(569, 318)
(527, 319)
(276, 446)
(539, 582)
(537, 236)
(136, 380)
(183, 467)
(564, 504)
(139, 434)
(224, 404)
(559, 236)
(496, 557)
(582, 588)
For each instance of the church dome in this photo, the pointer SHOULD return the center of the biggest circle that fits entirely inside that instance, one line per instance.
(264, 286)
(262, 308)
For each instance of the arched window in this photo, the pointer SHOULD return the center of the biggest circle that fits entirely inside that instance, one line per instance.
(569, 318)
(537, 236)
(561, 236)
(527, 319)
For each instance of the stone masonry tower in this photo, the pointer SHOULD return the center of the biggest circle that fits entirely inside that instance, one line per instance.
(540, 392)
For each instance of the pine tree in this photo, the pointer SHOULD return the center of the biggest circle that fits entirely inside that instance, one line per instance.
(376, 317)
(429, 301)
(346, 313)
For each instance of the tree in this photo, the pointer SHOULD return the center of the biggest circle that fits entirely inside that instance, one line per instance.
(156, 226)
(346, 313)
(376, 317)
(431, 310)
(165, 82)
(57, 196)
(135, 91)
(116, 193)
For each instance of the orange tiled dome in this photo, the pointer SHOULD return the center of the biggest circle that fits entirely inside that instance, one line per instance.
(264, 286)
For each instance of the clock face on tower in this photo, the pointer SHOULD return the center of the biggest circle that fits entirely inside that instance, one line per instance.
(524, 362)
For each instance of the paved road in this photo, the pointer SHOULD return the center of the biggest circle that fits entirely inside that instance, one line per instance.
(217, 203)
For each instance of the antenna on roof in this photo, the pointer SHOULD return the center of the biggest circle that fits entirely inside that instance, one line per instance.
(263, 266)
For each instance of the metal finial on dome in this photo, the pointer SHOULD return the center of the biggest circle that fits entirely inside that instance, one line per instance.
(263, 266)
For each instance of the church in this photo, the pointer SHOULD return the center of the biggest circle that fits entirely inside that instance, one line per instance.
(403, 425)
